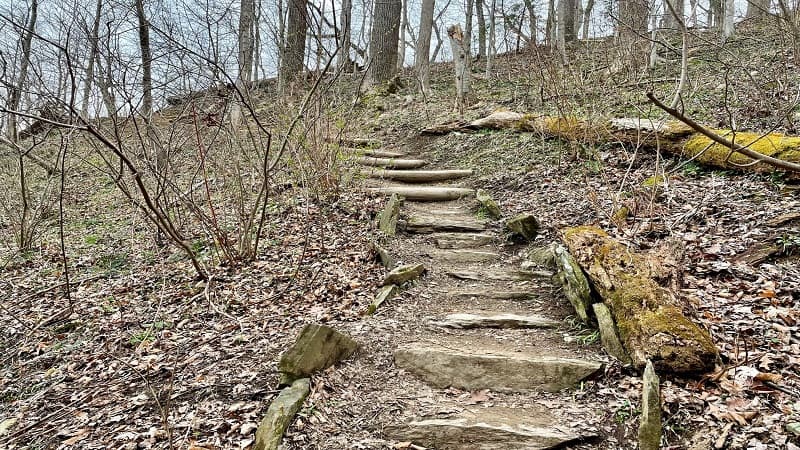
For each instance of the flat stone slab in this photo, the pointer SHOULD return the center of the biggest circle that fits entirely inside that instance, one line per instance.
(498, 275)
(494, 294)
(318, 347)
(391, 163)
(425, 193)
(403, 274)
(496, 320)
(462, 240)
(280, 414)
(487, 429)
(490, 368)
(463, 255)
(424, 224)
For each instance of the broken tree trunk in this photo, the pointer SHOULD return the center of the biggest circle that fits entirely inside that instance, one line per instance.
(651, 325)
(670, 136)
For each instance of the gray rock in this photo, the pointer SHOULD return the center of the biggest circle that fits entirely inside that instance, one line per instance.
(318, 347)
(793, 428)
(490, 368)
(500, 320)
(390, 214)
(494, 294)
(488, 204)
(462, 240)
(386, 293)
(525, 226)
(608, 333)
(487, 429)
(543, 256)
(576, 285)
(386, 258)
(280, 414)
(497, 275)
(463, 255)
(650, 425)
(404, 274)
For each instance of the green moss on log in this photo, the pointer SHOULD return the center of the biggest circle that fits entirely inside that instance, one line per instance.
(775, 145)
(650, 325)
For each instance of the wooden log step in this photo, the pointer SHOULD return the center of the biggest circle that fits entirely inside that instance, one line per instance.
(391, 163)
(494, 320)
(463, 240)
(488, 429)
(419, 176)
(478, 367)
(425, 193)
(422, 224)
(381, 153)
(356, 142)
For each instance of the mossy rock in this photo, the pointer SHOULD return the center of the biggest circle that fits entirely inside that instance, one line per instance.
(650, 429)
(609, 336)
(384, 294)
(404, 274)
(317, 348)
(280, 414)
(391, 212)
(524, 226)
(383, 255)
(488, 204)
(576, 285)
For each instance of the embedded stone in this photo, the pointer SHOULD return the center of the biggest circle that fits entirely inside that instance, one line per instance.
(280, 414)
(525, 226)
(318, 347)
(403, 274)
(386, 293)
(488, 204)
(390, 214)
(608, 333)
(650, 425)
(500, 320)
(576, 285)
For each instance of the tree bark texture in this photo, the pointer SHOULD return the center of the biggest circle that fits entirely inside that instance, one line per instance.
(632, 31)
(383, 40)
(294, 49)
(422, 62)
(460, 57)
(345, 19)
(650, 322)
(147, 59)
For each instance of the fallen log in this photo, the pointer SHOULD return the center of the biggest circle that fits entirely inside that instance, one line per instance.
(670, 136)
(391, 163)
(425, 193)
(650, 323)
(418, 176)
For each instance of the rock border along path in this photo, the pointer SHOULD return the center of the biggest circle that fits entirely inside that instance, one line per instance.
(437, 224)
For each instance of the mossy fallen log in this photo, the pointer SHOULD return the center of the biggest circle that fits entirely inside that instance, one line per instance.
(670, 136)
(650, 323)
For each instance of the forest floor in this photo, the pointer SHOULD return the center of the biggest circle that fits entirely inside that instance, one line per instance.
(149, 357)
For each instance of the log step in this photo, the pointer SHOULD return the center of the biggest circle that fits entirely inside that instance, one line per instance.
(356, 142)
(381, 153)
(421, 224)
(425, 193)
(392, 163)
(494, 320)
(462, 240)
(419, 176)
(499, 275)
(492, 368)
(488, 429)
(463, 255)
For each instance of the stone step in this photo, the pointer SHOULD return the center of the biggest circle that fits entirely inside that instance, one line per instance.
(392, 163)
(462, 240)
(487, 367)
(498, 275)
(488, 429)
(382, 153)
(418, 176)
(423, 224)
(494, 294)
(425, 193)
(494, 320)
(463, 256)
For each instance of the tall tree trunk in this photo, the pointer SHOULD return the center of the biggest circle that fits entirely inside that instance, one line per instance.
(550, 29)
(247, 13)
(460, 62)
(481, 29)
(632, 32)
(491, 51)
(470, 9)
(401, 44)
(568, 20)
(422, 62)
(727, 19)
(15, 91)
(715, 13)
(587, 16)
(345, 18)
(757, 8)
(93, 51)
(531, 20)
(294, 49)
(383, 40)
(147, 60)
(669, 20)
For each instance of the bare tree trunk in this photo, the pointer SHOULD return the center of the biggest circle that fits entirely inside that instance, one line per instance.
(587, 16)
(345, 18)
(460, 58)
(491, 51)
(531, 20)
(632, 31)
(383, 41)
(246, 41)
(147, 59)
(550, 31)
(294, 49)
(669, 20)
(401, 44)
(422, 61)
(757, 8)
(569, 20)
(727, 19)
(93, 51)
(481, 29)
(715, 13)
(470, 8)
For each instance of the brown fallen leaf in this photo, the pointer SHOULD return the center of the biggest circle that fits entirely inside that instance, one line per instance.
(79, 435)
(764, 376)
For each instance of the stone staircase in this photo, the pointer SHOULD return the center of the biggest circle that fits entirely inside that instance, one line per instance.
(484, 330)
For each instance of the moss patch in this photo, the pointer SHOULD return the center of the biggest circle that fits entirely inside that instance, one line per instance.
(776, 145)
